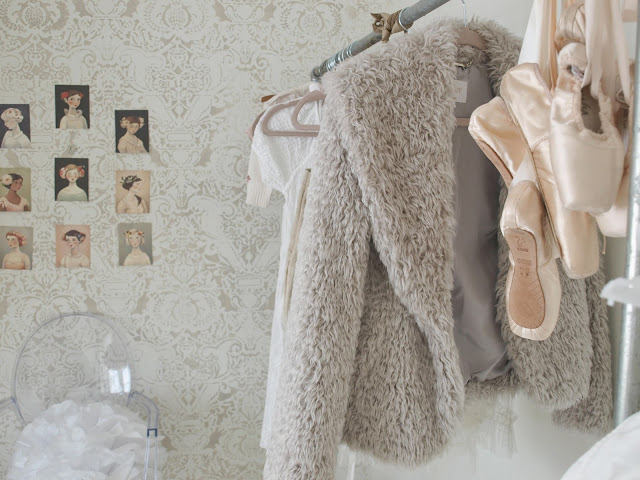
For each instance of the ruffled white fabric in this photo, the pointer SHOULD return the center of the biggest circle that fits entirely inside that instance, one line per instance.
(70, 441)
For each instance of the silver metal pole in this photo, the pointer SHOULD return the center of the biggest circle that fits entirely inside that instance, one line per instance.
(627, 387)
(409, 15)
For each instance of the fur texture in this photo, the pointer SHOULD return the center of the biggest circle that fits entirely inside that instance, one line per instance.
(370, 355)
(595, 411)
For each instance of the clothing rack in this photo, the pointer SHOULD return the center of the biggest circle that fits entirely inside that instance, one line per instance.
(407, 16)
(627, 382)
(627, 379)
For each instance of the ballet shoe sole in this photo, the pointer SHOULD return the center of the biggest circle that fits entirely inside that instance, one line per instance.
(525, 299)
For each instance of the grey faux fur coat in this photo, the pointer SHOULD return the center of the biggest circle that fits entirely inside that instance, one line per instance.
(370, 354)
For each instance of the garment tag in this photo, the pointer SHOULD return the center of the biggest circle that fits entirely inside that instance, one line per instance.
(460, 90)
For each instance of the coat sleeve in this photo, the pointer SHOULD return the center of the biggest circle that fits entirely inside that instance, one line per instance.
(324, 322)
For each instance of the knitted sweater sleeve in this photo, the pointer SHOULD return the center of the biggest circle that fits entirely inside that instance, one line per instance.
(258, 192)
(324, 322)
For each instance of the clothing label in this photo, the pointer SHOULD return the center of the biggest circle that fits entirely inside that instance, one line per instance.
(460, 90)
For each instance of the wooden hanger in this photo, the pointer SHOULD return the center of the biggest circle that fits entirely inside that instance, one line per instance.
(466, 36)
(313, 96)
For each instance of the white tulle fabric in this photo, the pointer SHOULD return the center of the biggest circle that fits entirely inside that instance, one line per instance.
(69, 441)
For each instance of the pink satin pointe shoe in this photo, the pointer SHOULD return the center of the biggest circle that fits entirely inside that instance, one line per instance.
(533, 288)
(587, 153)
(613, 223)
(528, 101)
(498, 137)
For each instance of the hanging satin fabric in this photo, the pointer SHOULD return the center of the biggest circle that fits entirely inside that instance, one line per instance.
(545, 12)
(604, 26)
(607, 29)
(539, 40)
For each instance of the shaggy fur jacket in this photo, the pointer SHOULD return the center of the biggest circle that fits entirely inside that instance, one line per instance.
(370, 354)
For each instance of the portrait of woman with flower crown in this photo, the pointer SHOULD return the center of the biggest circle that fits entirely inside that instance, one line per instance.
(135, 244)
(15, 128)
(68, 114)
(13, 180)
(72, 183)
(132, 191)
(132, 131)
(17, 240)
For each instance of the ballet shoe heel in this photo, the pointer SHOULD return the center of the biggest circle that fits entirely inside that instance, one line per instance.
(526, 306)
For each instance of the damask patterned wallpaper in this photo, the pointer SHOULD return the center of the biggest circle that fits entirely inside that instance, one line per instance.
(199, 318)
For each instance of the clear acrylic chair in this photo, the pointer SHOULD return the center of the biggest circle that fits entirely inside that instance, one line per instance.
(80, 357)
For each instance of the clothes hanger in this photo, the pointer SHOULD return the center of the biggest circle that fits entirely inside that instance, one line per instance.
(283, 133)
(252, 128)
(466, 36)
(312, 96)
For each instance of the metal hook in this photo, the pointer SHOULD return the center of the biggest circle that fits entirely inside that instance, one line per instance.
(464, 9)
(406, 30)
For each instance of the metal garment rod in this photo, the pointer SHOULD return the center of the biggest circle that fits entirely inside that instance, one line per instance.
(409, 15)
(627, 388)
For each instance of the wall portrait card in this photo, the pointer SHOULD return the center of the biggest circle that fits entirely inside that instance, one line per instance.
(73, 246)
(15, 189)
(15, 127)
(71, 177)
(16, 248)
(133, 191)
(73, 107)
(132, 131)
(134, 244)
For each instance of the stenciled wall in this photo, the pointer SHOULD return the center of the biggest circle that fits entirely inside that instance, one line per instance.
(199, 319)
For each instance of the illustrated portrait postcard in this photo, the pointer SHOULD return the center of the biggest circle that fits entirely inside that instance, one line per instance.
(16, 248)
(134, 240)
(73, 246)
(15, 189)
(132, 131)
(15, 128)
(71, 179)
(72, 107)
(133, 191)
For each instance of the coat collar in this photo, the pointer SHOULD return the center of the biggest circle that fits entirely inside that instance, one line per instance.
(438, 40)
